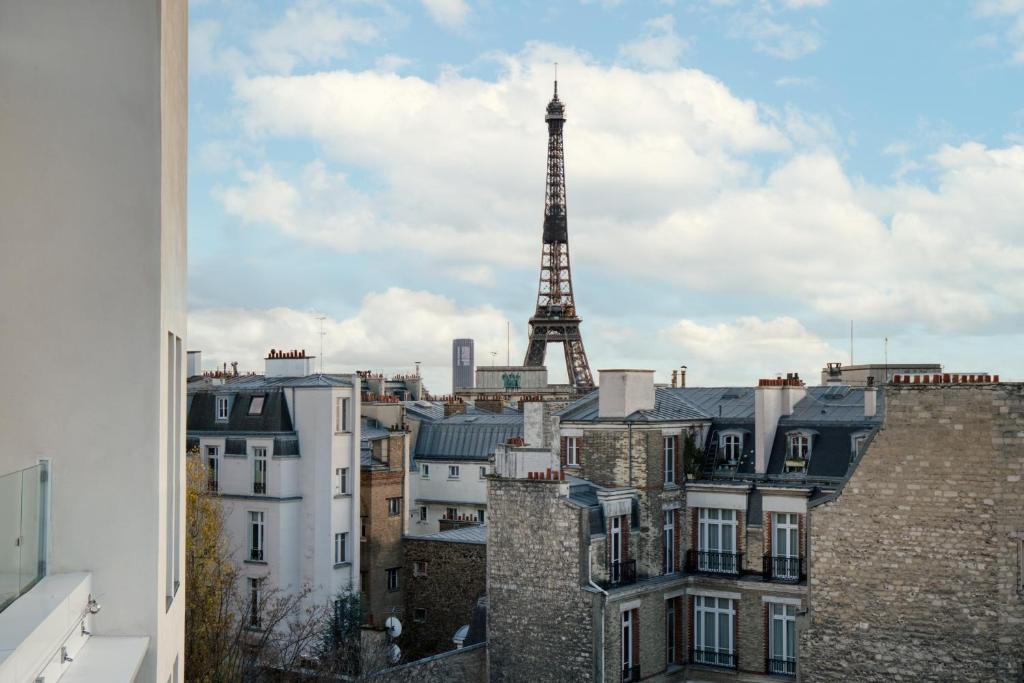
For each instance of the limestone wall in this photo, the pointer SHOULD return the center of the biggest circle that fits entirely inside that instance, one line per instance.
(914, 566)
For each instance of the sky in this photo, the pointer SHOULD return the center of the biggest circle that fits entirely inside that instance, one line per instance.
(745, 181)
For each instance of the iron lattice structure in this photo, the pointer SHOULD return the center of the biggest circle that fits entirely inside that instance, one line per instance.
(555, 321)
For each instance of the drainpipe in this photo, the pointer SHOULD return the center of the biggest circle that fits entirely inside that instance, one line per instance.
(604, 602)
(629, 431)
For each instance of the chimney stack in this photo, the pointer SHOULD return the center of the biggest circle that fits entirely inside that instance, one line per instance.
(623, 392)
(870, 401)
(288, 363)
(675, 378)
(682, 376)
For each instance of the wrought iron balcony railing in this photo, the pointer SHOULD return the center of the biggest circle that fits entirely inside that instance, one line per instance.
(709, 657)
(622, 573)
(785, 666)
(713, 562)
(259, 488)
(781, 568)
(256, 554)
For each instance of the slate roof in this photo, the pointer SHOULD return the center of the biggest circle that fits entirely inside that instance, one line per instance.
(476, 533)
(273, 418)
(670, 404)
(263, 382)
(466, 437)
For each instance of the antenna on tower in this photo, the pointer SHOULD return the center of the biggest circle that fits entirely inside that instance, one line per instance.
(556, 79)
(323, 334)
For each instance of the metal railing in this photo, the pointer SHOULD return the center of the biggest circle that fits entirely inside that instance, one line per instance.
(781, 666)
(622, 573)
(259, 487)
(256, 554)
(720, 658)
(23, 505)
(713, 562)
(631, 673)
(780, 568)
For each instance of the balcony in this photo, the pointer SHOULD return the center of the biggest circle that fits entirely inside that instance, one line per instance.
(22, 531)
(713, 562)
(781, 667)
(622, 573)
(785, 569)
(720, 658)
(255, 554)
(630, 673)
(259, 488)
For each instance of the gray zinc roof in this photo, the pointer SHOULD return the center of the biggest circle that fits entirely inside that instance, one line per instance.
(670, 404)
(466, 437)
(467, 534)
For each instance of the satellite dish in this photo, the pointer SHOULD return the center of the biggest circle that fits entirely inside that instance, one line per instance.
(393, 626)
(394, 654)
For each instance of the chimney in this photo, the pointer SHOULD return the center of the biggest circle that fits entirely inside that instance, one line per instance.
(675, 378)
(195, 363)
(534, 416)
(454, 408)
(288, 364)
(773, 399)
(870, 401)
(682, 375)
(492, 404)
(623, 392)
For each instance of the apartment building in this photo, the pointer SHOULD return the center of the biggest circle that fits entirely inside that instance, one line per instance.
(619, 560)
(451, 464)
(282, 452)
(93, 127)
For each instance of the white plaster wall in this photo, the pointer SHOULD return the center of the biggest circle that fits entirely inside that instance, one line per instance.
(468, 488)
(623, 392)
(768, 405)
(92, 185)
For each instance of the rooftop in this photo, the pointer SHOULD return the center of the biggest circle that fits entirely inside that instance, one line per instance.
(468, 534)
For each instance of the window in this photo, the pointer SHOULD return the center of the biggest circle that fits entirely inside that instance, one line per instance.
(362, 529)
(674, 630)
(259, 471)
(799, 445)
(256, 539)
(572, 451)
(480, 516)
(341, 410)
(669, 450)
(393, 579)
(716, 550)
(483, 472)
(423, 513)
(256, 405)
(255, 606)
(857, 443)
(425, 471)
(419, 568)
(453, 471)
(669, 541)
(785, 561)
(394, 507)
(222, 407)
(713, 631)
(340, 548)
(630, 641)
(732, 447)
(212, 469)
(451, 513)
(419, 615)
(782, 639)
(341, 474)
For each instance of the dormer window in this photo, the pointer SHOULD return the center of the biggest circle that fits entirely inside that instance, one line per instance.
(798, 451)
(732, 447)
(256, 405)
(222, 408)
(857, 443)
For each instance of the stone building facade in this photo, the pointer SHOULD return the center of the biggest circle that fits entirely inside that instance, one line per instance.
(917, 562)
(445, 578)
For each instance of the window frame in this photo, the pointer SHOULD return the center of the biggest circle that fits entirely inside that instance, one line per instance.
(483, 472)
(419, 568)
(340, 548)
(394, 506)
(213, 469)
(451, 513)
(668, 535)
(712, 523)
(786, 614)
(342, 408)
(393, 586)
(423, 513)
(257, 536)
(262, 400)
(572, 451)
(732, 441)
(259, 466)
(219, 403)
(419, 615)
(255, 595)
(480, 516)
(341, 480)
(454, 471)
(704, 605)
(425, 471)
(668, 449)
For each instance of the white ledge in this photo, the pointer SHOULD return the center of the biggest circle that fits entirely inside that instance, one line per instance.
(108, 659)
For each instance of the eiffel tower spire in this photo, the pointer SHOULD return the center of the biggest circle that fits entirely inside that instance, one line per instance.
(555, 320)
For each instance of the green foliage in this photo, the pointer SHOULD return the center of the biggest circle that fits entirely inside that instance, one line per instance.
(693, 458)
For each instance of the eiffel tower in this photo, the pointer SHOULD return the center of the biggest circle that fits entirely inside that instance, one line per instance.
(555, 321)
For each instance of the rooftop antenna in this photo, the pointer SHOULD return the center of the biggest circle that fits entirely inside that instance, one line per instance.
(322, 318)
(493, 355)
(885, 355)
(556, 79)
(851, 342)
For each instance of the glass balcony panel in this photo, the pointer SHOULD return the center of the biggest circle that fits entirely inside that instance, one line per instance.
(22, 531)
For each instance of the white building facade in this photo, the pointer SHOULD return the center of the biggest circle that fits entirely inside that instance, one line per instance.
(282, 454)
(93, 129)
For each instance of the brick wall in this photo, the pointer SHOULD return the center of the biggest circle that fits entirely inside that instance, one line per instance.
(382, 548)
(539, 618)
(455, 579)
(913, 567)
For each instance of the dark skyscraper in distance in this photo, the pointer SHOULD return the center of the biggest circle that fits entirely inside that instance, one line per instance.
(462, 364)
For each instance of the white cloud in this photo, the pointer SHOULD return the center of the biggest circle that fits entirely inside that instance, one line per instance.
(801, 4)
(451, 14)
(1013, 12)
(658, 48)
(747, 349)
(778, 28)
(390, 331)
(310, 32)
(795, 81)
